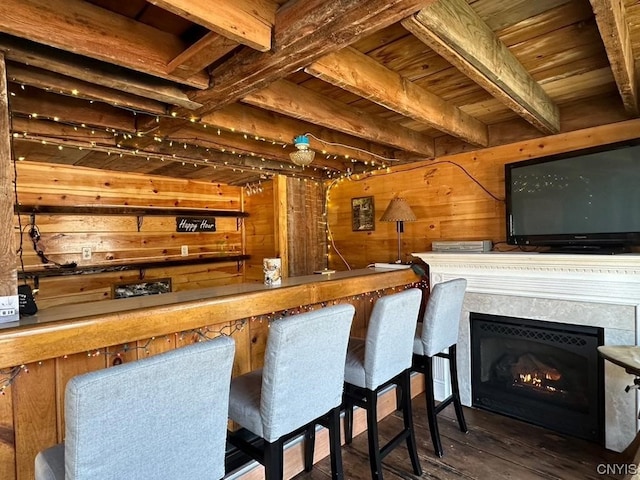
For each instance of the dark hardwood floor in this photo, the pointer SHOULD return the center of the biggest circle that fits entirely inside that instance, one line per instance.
(495, 448)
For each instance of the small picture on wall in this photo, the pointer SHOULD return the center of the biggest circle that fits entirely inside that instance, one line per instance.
(362, 214)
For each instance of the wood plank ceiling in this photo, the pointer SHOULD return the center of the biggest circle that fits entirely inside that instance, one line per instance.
(217, 90)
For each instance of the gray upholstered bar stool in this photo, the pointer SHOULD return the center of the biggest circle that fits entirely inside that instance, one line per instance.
(438, 332)
(381, 360)
(299, 386)
(162, 418)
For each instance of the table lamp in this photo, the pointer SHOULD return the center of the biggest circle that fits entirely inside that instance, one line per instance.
(398, 211)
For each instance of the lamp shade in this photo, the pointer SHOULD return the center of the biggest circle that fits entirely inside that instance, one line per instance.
(303, 156)
(398, 211)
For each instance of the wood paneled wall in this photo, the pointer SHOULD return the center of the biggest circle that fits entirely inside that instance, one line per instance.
(260, 239)
(117, 240)
(288, 222)
(306, 227)
(285, 219)
(445, 197)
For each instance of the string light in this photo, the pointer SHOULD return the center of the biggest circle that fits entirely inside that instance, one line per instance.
(8, 376)
(328, 172)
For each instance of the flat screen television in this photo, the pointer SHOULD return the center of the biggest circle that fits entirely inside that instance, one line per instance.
(583, 201)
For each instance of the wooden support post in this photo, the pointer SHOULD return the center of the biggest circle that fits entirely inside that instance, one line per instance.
(280, 218)
(8, 269)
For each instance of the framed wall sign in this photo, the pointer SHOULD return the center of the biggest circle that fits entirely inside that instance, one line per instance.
(362, 214)
(188, 224)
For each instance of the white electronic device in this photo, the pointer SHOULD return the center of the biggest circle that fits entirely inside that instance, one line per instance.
(394, 266)
(477, 246)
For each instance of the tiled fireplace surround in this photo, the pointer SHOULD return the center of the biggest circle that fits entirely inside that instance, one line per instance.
(593, 290)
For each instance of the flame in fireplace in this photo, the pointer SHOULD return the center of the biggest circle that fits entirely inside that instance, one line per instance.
(535, 381)
(531, 371)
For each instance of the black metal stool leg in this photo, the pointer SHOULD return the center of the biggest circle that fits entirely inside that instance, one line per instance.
(372, 434)
(273, 460)
(455, 389)
(334, 444)
(348, 416)
(431, 406)
(309, 446)
(407, 417)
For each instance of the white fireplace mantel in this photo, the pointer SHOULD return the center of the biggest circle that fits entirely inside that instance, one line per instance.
(579, 289)
(588, 278)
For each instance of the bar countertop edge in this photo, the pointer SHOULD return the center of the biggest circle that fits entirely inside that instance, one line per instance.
(64, 330)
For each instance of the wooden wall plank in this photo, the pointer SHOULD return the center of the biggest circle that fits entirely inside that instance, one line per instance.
(8, 278)
(34, 415)
(242, 358)
(259, 230)
(306, 228)
(67, 368)
(280, 208)
(47, 184)
(7, 431)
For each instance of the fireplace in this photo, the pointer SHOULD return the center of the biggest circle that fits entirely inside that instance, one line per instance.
(545, 373)
(586, 290)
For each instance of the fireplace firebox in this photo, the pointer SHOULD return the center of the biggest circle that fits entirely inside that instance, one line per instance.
(545, 373)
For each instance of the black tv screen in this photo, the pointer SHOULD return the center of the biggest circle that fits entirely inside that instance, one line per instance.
(585, 199)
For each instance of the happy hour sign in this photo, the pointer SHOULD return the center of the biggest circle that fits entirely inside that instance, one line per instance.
(186, 224)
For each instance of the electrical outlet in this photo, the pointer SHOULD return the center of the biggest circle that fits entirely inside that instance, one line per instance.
(86, 253)
(184, 250)
(9, 309)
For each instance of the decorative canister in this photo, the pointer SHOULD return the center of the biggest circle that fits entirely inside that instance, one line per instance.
(272, 271)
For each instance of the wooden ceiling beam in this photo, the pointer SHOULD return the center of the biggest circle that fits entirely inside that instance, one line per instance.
(227, 159)
(200, 55)
(44, 105)
(56, 130)
(290, 99)
(304, 31)
(34, 151)
(68, 86)
(91, 71)
(125, 159)
(278, 128)
(457, 33)
(237, 144)
(363, 76)
(249, 22)
(614, 30)
(86, 29)
(231, 143)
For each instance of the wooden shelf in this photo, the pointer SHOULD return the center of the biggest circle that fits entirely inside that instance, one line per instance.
(56, 271)
(125, 210)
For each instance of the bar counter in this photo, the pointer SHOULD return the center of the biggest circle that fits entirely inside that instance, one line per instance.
(63, 330)
(41, 353)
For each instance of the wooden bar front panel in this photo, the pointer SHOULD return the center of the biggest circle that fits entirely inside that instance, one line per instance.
(32, 409)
